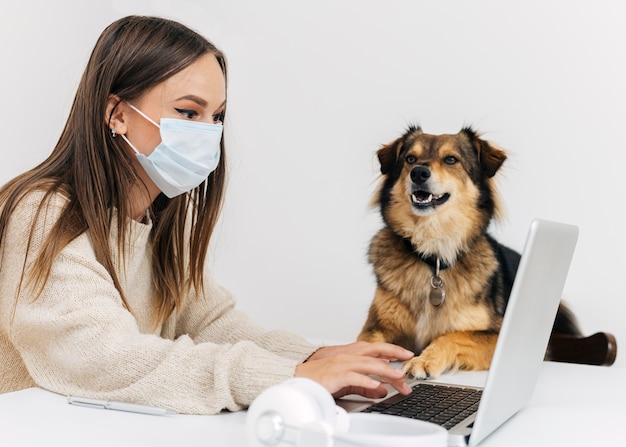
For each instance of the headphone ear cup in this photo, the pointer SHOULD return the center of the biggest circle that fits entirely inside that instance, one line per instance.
(276, 415)
(342, 423)
(322, 399)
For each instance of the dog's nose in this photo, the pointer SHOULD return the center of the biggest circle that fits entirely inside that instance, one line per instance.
(420, 174)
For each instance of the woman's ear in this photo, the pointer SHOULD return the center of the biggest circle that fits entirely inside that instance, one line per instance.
(115, 115)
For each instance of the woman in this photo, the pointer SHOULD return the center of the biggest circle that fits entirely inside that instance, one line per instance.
(104, 290)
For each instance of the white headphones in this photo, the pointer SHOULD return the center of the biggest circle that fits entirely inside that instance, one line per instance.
(301, 412)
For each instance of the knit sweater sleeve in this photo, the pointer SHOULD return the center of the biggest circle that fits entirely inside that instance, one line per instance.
(77, 338)
(214, 319)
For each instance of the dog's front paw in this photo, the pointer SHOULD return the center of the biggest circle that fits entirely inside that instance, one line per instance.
(425, 366)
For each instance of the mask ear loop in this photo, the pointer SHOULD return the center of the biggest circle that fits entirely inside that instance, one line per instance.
(130, 144)
(142, 114)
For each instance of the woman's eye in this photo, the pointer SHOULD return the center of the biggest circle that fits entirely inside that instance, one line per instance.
(450, 160)
(219, 117)
(189, 114)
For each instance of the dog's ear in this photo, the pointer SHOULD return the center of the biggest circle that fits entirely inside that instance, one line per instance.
(389, 154)
(490, 157)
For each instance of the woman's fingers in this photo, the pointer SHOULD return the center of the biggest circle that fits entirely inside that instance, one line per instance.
(357, 368)
(378, 350)
(386, 351)
(343, 373)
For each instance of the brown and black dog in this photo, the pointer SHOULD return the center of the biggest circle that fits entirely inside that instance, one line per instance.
(442, 281)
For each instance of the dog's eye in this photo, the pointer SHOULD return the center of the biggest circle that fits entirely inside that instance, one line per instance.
(450, 160)
(410, 159)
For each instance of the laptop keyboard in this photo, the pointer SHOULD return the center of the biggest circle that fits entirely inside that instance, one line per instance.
(446, 406)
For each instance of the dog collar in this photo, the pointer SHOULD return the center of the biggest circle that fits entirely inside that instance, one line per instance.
(437, 292)
(431, 260)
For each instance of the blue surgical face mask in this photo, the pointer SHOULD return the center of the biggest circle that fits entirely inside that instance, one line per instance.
(189, 151)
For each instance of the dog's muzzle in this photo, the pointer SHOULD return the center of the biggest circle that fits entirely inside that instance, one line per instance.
(421, 197)
(420, 175)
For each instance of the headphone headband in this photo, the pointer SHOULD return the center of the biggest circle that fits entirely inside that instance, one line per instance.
(300, 412)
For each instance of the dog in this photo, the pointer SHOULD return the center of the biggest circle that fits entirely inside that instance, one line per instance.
(443, 281)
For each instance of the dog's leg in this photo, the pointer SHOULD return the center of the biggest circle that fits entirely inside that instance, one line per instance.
(389, 320)
(471, 350)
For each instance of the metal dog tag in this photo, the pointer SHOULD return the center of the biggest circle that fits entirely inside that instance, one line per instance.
(437, 293)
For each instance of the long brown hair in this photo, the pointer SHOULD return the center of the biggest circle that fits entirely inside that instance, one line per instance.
(94, 170)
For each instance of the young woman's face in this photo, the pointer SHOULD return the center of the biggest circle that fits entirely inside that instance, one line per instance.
(197, 93)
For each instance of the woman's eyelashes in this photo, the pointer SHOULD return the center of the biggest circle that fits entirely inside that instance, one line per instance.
(187, 113)
(191, 114)
(219, 117)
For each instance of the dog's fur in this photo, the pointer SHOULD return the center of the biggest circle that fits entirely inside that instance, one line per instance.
(437, 198)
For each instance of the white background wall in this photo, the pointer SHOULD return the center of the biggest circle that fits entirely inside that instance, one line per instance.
(316, 87)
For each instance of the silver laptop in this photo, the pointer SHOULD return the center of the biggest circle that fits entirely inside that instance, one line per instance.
(521, 345)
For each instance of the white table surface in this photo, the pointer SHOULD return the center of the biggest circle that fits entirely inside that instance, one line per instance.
(573, 405)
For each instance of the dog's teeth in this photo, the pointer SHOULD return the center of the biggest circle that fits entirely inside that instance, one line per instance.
(422, 201)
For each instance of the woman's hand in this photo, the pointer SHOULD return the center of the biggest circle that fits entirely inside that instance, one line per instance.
(346, 369)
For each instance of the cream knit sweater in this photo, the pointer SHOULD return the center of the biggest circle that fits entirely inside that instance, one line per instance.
(78, 339)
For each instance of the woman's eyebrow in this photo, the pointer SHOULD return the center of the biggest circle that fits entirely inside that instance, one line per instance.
(201, 102)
